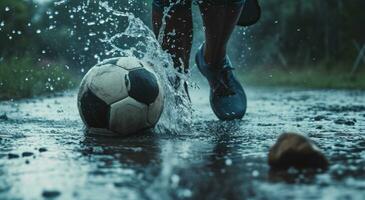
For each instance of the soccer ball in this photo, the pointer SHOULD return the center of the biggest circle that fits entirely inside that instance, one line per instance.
(120, 96)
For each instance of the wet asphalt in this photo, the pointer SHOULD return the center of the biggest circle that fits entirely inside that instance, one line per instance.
(45, 153)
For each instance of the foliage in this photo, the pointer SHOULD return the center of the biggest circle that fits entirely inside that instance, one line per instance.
(22, 77)
(16, 33)
(317, 77)
(296, 35)
(303, 33)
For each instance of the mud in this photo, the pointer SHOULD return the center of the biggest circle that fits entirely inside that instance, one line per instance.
(44, 152)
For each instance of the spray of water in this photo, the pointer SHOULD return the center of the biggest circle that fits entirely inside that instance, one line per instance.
(177, 111)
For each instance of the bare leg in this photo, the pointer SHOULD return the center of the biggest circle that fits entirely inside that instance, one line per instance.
(178, 33)
(219, 22)
(227, 96)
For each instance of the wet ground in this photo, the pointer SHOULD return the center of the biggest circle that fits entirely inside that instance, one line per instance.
(44, 152)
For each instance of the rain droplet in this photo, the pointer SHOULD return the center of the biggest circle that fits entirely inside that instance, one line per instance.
(228, 162)
(175, 179)
(7, 9)
(38, 31)
(255, 173)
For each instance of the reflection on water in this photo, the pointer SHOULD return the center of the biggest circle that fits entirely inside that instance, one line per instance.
(214, 160)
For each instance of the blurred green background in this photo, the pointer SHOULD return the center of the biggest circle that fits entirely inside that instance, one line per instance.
(47, 45)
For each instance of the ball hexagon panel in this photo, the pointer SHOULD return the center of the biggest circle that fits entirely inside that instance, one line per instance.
(129, 63)
(128, 116)
(144, 86)
(109, 83)
(94, 111)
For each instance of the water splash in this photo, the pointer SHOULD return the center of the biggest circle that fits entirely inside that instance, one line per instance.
(177, 112)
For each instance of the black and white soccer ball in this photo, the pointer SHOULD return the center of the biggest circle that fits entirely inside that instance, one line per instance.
(120, 96)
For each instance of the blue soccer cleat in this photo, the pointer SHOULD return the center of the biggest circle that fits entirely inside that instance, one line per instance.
(227, 97)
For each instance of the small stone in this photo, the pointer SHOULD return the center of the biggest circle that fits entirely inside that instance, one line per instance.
(319, 127)
(319, 118)
(51, 193)
(345, 122)
(4, 117)
(13, 156)
(27, 154)
(118, 184)
(294, 150)
(42, 149)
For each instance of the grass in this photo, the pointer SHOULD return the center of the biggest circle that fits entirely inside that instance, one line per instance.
(23, 78)
(310, 77)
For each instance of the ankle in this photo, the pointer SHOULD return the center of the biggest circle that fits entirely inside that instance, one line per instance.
(213, 59)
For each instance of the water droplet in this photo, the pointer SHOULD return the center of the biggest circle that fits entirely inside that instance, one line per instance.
(38, 31)
(7, 9)
(228, 162)
(175, 179)
(255, 173)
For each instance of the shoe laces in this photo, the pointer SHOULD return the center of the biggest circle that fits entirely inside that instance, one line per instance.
(224, 85)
